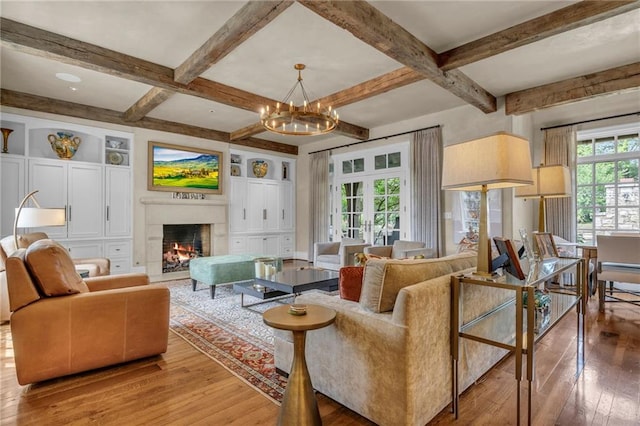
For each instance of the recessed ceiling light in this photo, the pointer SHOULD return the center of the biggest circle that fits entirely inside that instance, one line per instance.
(73, 89)
(68, 77)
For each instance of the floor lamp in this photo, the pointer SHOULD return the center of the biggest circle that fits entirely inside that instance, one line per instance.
(501, 160)
(548, 182)
(34, 217)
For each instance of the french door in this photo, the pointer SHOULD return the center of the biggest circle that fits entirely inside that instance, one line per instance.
(371, 202)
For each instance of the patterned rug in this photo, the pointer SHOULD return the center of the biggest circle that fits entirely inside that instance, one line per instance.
(235, 337)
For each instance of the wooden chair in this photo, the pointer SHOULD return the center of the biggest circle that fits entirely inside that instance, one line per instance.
(618, 261)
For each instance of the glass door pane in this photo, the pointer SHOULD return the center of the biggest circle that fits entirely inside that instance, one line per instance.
(352, 201)
(386, 210)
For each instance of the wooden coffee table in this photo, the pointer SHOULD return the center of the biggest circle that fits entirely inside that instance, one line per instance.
(287, 283)
(299, 406)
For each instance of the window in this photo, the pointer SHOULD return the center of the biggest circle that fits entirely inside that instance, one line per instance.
(608, 190)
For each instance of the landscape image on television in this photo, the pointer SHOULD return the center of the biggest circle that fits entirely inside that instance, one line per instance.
(174, 168)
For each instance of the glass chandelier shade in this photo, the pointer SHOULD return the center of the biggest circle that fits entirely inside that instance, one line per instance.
(308, 119)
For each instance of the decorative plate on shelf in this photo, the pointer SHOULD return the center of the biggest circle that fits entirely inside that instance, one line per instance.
(235, 170)
(115, 158)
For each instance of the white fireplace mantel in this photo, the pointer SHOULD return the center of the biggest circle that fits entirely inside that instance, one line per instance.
(181, 202)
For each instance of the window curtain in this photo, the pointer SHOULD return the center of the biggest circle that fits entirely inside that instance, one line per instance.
(560, 148)
(318, 199)
(426, 197)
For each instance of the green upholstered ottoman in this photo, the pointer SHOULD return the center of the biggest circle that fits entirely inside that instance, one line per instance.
(214, 270)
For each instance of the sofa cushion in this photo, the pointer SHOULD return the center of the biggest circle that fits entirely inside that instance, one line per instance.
(350, 282)
(53, 269)
(384, 278)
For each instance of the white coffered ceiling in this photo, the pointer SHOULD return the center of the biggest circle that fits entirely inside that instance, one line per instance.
(168, 32)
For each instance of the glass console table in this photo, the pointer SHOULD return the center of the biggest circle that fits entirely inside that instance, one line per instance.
(521, 332)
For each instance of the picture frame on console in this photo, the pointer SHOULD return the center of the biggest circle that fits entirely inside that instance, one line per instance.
(545, 246)
(505, 246)
(175, 168)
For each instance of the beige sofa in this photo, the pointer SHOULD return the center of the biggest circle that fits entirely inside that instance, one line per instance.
(387, 357)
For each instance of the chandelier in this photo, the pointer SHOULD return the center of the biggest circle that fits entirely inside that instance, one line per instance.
(299, 120)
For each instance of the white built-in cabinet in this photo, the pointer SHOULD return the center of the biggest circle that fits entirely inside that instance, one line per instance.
(94, 186)
(261, 207)
(75, 186)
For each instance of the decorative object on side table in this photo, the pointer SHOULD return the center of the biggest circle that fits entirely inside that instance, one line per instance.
(542, 303)
(298, 309)
(65, 145)
(260, 168)
(505, 246)
(5, 139)
(545, 246)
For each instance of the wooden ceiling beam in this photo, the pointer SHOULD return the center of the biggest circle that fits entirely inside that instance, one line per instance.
(565, 19)
(611, 81)
(250, 19)
(377, 30)
(370, 88)
(54, 106)
(250, 130)
(147, 103)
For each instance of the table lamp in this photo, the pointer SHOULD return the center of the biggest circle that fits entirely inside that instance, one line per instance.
(548, 182)
(501, 160)
(34, 217)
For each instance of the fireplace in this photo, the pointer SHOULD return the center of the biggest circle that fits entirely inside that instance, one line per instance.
(181, 243)
(168, 211)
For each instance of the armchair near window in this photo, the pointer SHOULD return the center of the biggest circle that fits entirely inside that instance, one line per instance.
(401, 249)
(62, 324)
(618, 261)
(337, 254)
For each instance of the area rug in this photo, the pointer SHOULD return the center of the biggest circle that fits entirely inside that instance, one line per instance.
(235, 337)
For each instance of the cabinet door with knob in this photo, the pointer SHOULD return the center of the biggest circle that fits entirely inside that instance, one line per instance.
(75, 187)
(267, 245)
(118, 202)
(262, 206)
(238, 205)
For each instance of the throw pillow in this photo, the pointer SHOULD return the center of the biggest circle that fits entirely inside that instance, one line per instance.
(53, 270)
(350, 282)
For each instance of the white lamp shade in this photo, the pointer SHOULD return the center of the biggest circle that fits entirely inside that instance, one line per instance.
(501, 160)
(548, 182)
(32, 217)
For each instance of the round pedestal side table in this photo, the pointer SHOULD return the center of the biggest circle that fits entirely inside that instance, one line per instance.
(299, 405)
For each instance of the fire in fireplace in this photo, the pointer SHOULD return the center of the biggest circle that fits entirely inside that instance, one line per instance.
(181, 243)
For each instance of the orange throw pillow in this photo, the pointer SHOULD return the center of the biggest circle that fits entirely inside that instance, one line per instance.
(350, 282)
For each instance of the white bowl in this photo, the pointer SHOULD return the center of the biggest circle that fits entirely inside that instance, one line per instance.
(114, 144)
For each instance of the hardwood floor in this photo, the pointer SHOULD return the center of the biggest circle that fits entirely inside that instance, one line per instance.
(185, 387)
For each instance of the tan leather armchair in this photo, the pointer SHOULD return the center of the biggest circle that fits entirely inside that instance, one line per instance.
(62, 324)
(97, 266)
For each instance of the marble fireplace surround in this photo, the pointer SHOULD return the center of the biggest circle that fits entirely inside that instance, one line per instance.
(170, 211)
